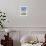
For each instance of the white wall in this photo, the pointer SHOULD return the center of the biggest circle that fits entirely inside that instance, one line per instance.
(36, 18)
(36, 13)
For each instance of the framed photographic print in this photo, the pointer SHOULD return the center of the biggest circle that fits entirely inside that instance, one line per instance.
(23, 10)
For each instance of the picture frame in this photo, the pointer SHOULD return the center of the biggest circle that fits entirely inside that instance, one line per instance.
(23, 10)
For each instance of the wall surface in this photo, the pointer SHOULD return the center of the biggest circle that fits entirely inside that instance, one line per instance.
(34, 21)
(36, 16)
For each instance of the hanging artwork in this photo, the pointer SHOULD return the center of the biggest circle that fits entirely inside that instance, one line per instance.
(23, 10)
